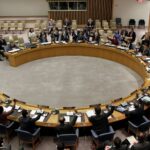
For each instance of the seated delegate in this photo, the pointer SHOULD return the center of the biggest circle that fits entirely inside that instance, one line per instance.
(27, 123)
(4, 115)
(66, 128)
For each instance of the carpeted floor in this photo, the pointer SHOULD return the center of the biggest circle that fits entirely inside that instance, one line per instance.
(68, 81)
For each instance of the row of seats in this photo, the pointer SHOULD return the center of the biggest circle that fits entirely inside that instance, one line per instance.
(13, 26)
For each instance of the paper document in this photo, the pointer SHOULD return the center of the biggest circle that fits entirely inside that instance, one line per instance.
(45, 43)
(41, 119)
(131, 108)
(79, 119)
(7, 109)
(146, 98)
(132, 140)
(17, 107)
(34, 116)
(70, 113)
(67, 118)
(90, 113)
(32, 112)
(14, 50)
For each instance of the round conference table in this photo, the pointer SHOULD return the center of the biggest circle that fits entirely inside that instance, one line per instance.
(125, 57)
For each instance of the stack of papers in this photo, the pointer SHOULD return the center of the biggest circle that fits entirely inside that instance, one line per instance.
(90, 113)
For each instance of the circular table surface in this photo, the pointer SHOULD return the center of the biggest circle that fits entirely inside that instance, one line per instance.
(68, 81)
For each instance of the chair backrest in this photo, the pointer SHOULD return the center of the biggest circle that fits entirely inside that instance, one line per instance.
(24, 135)
(2, 129)
(67, 138)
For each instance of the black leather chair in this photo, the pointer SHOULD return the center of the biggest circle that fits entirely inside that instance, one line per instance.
(27, 137)
(6, 130)
(144, 126)
(103, 136)
(132, 23)
(118, 22)
(69, 140)
(141, 23)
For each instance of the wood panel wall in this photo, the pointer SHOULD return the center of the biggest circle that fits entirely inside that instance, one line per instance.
(96, 9)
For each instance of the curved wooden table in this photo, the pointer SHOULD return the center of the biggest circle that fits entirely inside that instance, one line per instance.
(110, 53)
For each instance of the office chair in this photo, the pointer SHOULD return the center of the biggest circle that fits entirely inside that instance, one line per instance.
(132, 23)
(103, 136)
(27, 137)
(69, 140)
(6, 130)
(144, 126)
(141, 23)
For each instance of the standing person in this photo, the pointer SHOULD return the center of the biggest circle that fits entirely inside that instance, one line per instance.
(100, 120)
(2, 47)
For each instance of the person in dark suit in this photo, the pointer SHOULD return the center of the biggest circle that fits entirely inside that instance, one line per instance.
(27, 123)
(135, 116)
(2, 45)
(118, 145)
(100, 120)
(67, 128)
(4, 115)
(146, 49)
(142, 144)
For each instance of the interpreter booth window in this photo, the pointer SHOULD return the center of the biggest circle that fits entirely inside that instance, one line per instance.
(67, 5)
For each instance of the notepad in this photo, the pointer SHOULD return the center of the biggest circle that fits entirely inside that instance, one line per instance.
(90, 113)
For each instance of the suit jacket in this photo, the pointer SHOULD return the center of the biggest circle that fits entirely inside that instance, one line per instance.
(135, 116)
(133, 35)
(27, 123)
(66, 128)
(2, 43)
(141, 146)
(100, 122)
(3, 116)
